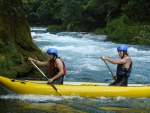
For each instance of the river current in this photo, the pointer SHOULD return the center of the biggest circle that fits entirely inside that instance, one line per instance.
(81, 52)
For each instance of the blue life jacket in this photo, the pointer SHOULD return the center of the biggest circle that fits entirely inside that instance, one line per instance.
(122, 71)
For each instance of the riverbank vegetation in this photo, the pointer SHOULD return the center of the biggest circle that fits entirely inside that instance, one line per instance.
(125, 21)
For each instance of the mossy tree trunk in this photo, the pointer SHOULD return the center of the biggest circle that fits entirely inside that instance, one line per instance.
(16, 43)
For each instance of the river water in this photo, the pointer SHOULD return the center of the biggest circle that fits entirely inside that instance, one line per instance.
(81, 52)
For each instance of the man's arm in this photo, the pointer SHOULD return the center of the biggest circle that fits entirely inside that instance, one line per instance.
(39, 63)
(121, 61)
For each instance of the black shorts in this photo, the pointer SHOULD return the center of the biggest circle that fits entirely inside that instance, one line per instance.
(121, 81)
(58, 80)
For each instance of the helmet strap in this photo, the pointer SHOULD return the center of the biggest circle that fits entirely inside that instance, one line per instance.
(54, 56)
(124, 53)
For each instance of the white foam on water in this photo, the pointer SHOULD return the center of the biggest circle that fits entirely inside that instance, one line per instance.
(30, 97)
(82, 51)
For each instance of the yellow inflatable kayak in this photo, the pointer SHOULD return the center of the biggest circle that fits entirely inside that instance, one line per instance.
(83, 89)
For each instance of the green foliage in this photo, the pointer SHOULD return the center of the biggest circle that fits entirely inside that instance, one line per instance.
(120, 30)
(1, 45)
(143, 36)
(100, 31)
(84, 15)
(121, 18)
(126, 31)
(6, 64)
(55, 28)
(31, 7)
(138, 10)
(9, 59)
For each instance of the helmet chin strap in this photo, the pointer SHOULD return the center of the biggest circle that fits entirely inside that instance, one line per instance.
(54, 57)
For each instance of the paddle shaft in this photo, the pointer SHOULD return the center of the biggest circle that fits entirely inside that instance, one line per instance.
(44, 75)
(109, 69)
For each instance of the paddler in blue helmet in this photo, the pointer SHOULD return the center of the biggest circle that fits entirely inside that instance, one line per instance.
(56, 65)
(124, 66)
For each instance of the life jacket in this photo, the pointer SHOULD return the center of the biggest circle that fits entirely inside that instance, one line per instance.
(54, 70)
(122, 71)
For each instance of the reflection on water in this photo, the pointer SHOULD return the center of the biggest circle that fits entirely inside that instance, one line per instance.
(64, 106)
(125, 110)
(2, 91)
(71, 104)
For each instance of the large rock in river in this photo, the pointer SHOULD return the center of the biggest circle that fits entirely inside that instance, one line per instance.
(16, 43)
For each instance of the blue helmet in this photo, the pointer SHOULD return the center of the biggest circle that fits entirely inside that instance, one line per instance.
(122, 48)
(52, 51)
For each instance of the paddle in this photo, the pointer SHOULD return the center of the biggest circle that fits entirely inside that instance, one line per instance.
(109, 70)
(45, 77)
